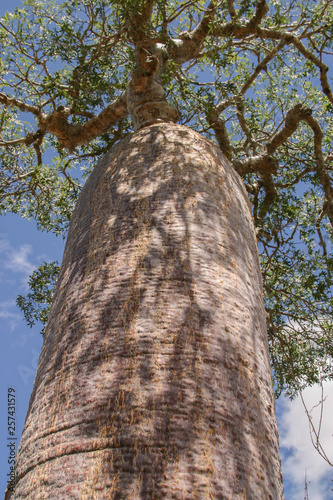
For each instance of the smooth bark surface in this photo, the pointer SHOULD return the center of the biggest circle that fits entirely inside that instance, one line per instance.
(154, 378)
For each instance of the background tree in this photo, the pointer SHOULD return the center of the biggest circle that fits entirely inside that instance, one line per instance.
(252, 77)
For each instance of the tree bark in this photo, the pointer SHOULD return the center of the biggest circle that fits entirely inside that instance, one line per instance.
(154, 378)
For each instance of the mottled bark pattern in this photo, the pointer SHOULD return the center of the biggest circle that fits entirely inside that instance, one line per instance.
(154, 379)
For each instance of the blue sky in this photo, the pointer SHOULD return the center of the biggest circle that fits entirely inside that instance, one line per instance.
(22, 248)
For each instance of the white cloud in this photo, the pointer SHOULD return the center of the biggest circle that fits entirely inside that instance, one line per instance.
(298, 453)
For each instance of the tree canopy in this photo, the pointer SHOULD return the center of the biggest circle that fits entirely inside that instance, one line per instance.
(250, 75)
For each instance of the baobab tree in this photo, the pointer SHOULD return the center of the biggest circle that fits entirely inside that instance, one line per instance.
(209, 125)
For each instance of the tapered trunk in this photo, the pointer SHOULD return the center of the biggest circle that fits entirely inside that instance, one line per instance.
(154, 378)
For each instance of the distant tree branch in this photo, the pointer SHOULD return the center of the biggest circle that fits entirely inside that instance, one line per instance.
(296, 179)
(315, 433)
(213, 116)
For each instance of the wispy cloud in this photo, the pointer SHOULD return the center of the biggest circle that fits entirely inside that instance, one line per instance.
(4, 243)
(9, 315)
(15, 260)
(15, 269)
(11, 320)
(298, 453)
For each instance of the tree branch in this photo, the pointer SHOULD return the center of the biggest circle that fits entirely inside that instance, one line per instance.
(189, 44)
(271, 193)
(139, 20)
(241, 119)
(201, 31)
(262, 66)
(238, 31)
(221, 133)
(267, 165)
(37, 144)
(71, 136)
(318, 221)
(231, 8)
(292, 39)
(15, 103)
(294, 116)
(264, 163)
(241, 31)
(322, 172)
(261, 11)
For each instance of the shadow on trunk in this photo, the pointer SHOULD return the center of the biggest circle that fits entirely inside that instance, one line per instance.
(154, 378)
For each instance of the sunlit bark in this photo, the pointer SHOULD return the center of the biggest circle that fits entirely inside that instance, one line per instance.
(154, 378)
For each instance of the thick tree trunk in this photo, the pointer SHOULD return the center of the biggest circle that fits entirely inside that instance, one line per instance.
(154, 378)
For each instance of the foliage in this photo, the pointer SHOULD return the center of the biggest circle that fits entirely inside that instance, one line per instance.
(36, 304)
(252, 77)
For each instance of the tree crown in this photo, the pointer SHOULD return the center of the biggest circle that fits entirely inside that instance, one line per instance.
(76, 77)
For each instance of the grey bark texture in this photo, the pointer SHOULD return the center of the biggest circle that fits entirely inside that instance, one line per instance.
(154, 378)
